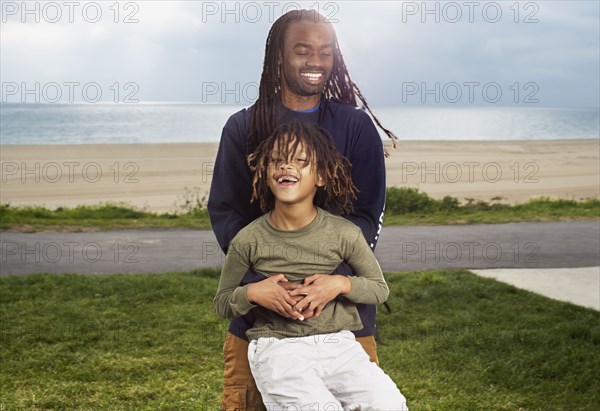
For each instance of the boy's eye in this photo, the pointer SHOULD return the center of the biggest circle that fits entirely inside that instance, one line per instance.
(301, 160)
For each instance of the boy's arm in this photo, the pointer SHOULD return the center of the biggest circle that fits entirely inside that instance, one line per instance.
(231, 299)
(368, 285)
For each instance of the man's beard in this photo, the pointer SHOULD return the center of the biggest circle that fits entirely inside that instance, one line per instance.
(304, 92)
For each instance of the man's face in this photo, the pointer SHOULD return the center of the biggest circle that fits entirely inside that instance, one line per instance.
(307, 58)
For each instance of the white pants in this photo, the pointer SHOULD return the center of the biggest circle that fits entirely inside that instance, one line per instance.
(321, 372)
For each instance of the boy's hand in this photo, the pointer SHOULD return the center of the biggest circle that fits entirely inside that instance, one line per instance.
(317, 291)
(291, 286)
(271, 294)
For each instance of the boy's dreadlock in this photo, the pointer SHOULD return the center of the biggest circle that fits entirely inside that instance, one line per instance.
(339, 87)
(321, 155)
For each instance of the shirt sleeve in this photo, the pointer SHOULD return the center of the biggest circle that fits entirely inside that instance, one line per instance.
(368, 284)
(229, 205)
(231, 299)
(368, 175)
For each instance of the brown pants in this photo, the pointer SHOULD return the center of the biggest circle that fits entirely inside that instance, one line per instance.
(239, 390)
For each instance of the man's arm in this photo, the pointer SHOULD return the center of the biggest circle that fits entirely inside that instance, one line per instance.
(229, 205)
(368, 174)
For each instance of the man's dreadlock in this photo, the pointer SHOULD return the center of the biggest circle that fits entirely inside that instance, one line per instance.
(339, 87)
(321, 155)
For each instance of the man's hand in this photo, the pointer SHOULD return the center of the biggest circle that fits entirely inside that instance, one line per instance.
(317, 291)
(272, 294)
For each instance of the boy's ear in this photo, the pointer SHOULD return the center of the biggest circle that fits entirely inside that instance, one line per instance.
(320, 181)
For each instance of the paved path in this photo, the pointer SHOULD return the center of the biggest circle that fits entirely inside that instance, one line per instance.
(482, 246)
(574, 285)
(515, 245)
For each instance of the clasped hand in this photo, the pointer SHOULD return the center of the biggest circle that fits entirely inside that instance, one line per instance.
(298, 301)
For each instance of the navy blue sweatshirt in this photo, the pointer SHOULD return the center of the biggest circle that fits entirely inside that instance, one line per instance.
(355, 137)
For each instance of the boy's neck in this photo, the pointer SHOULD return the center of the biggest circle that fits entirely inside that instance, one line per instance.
(290, 217)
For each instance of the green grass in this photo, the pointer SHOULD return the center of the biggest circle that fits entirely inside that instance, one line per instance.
(98, 217)
(405, 206)
(454, 341)
(409, 206)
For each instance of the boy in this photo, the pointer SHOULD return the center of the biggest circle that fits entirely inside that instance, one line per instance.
(312, 363)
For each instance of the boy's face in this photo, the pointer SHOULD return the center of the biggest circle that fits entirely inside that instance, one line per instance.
(292, 180)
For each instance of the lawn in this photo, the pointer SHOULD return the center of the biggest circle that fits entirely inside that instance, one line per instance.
(453, 341)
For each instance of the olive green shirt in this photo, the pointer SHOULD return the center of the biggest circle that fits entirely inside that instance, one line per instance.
(317, 248)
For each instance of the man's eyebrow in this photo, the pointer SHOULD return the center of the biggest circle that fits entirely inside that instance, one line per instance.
(309, 46)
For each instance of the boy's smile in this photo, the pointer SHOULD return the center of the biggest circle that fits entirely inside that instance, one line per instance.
(292, 181)
(286, 180)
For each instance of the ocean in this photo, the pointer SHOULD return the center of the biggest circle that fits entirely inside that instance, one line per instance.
(187, 122)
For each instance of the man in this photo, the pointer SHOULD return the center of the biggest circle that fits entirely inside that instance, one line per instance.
(305, 79)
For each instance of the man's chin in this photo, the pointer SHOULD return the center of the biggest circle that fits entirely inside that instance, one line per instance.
(308, 91)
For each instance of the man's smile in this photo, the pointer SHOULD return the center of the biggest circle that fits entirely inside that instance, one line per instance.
(312, 77)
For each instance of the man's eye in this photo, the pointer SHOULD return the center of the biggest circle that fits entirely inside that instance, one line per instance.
(301, 160)
(326, 54)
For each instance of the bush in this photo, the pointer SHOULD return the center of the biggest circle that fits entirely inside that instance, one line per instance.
(106, 212)
(449, 204)
(406, 200)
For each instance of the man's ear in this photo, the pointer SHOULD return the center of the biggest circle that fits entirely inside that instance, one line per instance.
(320, 181)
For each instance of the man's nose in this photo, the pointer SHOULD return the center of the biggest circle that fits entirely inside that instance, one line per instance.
(315, 60)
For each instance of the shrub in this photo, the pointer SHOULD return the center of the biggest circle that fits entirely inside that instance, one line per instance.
(405, 200)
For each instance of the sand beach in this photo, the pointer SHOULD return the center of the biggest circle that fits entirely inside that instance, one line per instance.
(157, 177)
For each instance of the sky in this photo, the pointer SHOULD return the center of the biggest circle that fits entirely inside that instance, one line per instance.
(464, 53)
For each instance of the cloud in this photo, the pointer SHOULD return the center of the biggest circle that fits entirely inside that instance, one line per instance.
(176, 48)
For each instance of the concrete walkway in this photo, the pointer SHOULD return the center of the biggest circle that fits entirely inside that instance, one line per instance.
(579, 286)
